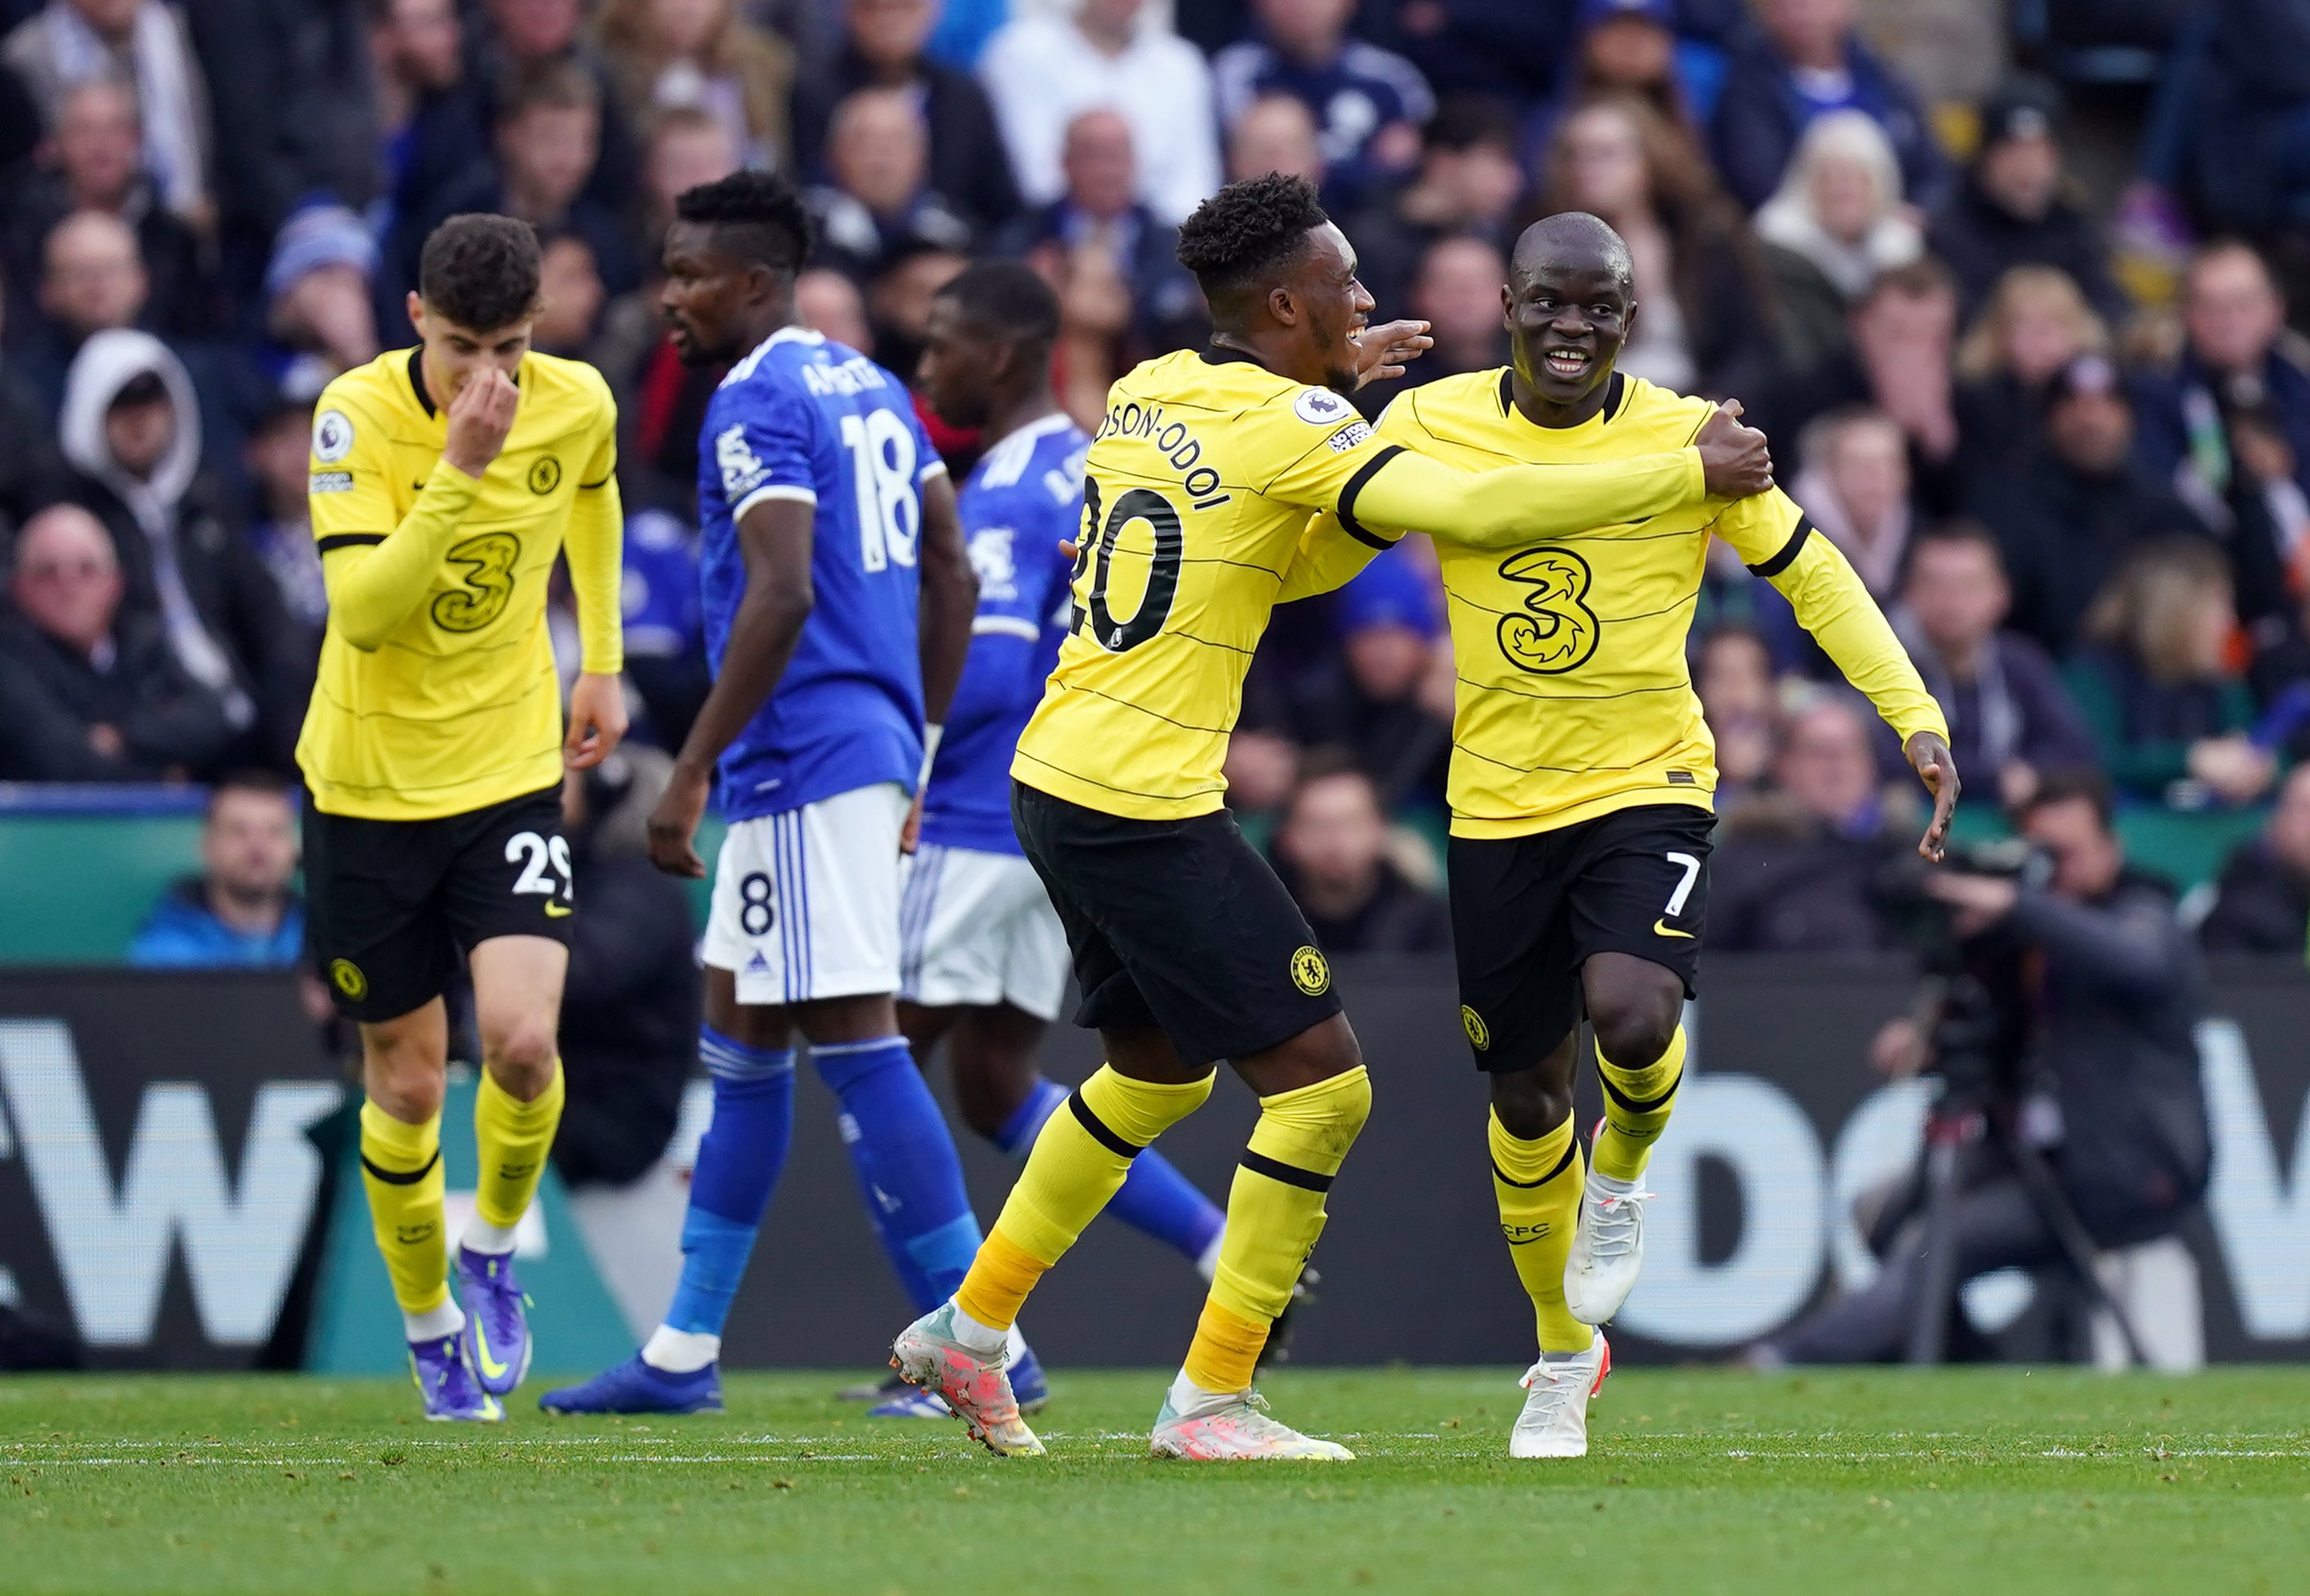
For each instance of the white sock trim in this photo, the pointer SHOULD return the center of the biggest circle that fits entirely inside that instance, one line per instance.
(984, 1339)
(1615, 1185)
(446, 1320)
(680, 1351)
(481, 1236)
(1191, 1400)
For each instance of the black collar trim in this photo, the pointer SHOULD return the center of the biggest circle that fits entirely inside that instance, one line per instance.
(416, 378)
(1614, 394)
(1216, 354)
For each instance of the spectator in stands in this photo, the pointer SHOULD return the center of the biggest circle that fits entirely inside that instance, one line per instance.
(827, 301)
(2154, 678)
(703, 56)
(1332, 851)
(131, 430)
(91, 278)
(1902, 333)
(2013, 208)
(877, 201)
(899, 299)
(1508, 48)
(242, 910)
(1367, 103)
(1619, 46)
(2069, 511)
(1834, 225)
(519, 39)
(2227, 134)
(320, 310)
(1097, 212)
(882, 47)
(430, 115)
(1732, 675)
(1855, 487)
(686, 148)
(278, 459)
(1457, 293)
(1041, 71)
(1274, 134)
(1468, 182)
(1806, 60)
(87, 692)
(31, 471)
(545, 145)
(2262, 901)
(630, 1009)
(143, 43)
(2034, 324)
(1705, 326)
(1793, 873)
(2232, 420)
(1379, 693)
(97, 166)
(2010, 717)
(570, 298)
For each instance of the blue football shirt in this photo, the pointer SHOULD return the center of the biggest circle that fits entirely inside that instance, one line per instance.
(806, 419)
(1024, 498)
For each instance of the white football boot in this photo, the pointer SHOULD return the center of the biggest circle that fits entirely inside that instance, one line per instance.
(926, 1354)
(1608, 1248)
(1236, 1428)
(1554, 1422)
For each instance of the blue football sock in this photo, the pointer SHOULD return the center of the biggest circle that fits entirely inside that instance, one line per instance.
(1155, 1198)
(738, 1164)
(907, 1170)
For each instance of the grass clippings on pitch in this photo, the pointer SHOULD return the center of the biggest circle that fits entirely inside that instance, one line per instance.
(1981, 1482)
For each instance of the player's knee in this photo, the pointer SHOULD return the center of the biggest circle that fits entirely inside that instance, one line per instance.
(1527, 1106)
(405, 1079)
(520, 1054)
(1633, 1031)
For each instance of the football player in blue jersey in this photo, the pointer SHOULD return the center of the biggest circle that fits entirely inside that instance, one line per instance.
(984, 962)
(839, 600)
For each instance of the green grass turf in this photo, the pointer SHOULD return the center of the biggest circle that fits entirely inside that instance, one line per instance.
(1979, 1482)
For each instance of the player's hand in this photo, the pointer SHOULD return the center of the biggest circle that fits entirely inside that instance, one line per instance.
(597, 720)
(674, 821)
(910, 835)
(1735, 461)
(480, 417)
(1929, 755)
(1383, 352)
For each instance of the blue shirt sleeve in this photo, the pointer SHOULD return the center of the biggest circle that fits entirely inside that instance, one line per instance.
(763, 438)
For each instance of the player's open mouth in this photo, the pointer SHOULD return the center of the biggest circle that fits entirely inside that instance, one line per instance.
(1566, 363)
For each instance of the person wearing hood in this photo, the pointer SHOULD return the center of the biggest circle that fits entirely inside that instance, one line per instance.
(2014, 207)
(1834, 224)
(90, 693)
(131, 431)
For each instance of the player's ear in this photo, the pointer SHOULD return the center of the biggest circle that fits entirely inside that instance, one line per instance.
(1282, 306)
(1507, 307)
(417, 313)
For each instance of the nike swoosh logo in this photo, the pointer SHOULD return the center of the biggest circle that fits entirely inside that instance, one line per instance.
(491, 1370)
(562, 911)
(1661, 929)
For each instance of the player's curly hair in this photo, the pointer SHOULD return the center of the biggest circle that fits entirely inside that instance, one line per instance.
(481, 271)
(1237, 238)
(755, 216)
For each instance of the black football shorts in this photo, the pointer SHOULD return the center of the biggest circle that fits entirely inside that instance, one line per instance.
(389, 904)
(1528, 910)
(1177, 925)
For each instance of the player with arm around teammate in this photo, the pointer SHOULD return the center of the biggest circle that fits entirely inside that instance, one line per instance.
(839, 602)
(444, 482)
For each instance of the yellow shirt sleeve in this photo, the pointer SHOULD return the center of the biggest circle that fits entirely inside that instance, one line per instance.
(378, 568)
(595, 548)
(1778, 543)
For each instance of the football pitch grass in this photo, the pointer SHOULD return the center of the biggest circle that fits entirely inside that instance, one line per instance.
(1973, 1481)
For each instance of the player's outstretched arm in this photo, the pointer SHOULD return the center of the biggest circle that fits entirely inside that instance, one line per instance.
(1523, 504)
(376, 580)
(774, 540)
(594, 547)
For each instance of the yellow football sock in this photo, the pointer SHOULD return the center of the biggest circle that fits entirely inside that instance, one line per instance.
(1275, 1212)
(1078, 1163)
(512, 1138)
(400, 1167)
(1637, 1107)
(1538, 1184)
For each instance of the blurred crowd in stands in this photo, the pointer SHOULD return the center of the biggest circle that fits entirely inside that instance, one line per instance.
(2009, 289)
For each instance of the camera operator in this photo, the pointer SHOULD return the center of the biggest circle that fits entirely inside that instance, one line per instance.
(2101, 991)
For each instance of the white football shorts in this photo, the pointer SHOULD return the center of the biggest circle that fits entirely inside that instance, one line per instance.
(976, 928)
(806, 903)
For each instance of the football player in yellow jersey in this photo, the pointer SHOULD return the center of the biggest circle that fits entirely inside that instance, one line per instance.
(446, 480)
(1581, 776)
(1199, 495)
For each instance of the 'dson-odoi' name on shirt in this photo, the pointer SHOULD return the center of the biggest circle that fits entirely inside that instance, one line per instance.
(1179, 446)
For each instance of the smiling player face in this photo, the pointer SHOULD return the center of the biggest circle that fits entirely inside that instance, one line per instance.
(1332, 306)
(1567, 316)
